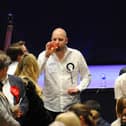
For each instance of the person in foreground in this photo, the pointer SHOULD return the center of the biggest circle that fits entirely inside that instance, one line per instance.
(95, 107)
(121, 112)
(28, 70)
(84, 114)
(62, 66)
(6, 114)
(68, 118)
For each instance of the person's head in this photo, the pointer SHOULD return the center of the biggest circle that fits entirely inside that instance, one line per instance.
(15, 53)
(95, 108)
(68, 118)
(28, 66)
(57, 123)
(84, 114)
(121, 102)
(20, 44)
(122, 70)
(4, 63)
(121, 110)
(59, 35)
(123, 116)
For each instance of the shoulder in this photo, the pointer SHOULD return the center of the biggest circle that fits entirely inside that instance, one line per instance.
(116, 122)
(102, 122)
(74, 51)
(41, 54)
(14, 78)
(121, 79)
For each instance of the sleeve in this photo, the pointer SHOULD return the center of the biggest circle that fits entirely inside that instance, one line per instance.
(85, 76)
(5, 116)
(42, 61)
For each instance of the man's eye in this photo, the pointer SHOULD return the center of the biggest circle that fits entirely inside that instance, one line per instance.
(60, 39)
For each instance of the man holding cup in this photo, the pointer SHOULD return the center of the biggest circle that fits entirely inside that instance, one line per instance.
(62, 66)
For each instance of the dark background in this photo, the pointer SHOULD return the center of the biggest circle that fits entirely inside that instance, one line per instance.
(96, 27)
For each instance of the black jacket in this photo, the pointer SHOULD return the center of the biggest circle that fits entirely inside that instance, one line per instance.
(37, 114)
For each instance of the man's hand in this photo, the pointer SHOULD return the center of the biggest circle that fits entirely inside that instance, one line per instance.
(73, 90)
(51, 48)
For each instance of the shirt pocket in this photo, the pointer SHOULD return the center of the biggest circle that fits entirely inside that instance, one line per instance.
(52, 67)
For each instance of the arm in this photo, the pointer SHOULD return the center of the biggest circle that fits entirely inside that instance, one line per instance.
(85, 76)
(42, 61)
(43, 57)
(6, 117)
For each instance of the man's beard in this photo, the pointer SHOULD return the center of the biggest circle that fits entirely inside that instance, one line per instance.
(60, 49)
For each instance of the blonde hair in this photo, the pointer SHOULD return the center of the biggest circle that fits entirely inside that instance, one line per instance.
(69, 119)
(28, 67)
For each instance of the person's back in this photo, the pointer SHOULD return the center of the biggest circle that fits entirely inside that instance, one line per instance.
(120, 84)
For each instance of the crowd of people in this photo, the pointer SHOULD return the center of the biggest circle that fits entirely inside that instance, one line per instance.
(24, 103)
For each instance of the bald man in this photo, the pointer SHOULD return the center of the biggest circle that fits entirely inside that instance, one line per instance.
(62, 66)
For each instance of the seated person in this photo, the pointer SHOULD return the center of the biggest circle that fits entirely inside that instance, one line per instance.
(68, 118)
(120, 110)
(96, 112)
(84, 114)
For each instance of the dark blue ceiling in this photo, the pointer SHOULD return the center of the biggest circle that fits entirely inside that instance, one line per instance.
(95, 27)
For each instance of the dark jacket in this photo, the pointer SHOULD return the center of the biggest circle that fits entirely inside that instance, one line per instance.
(37, 114)
(6, 115)
(102, 122)
(17, 84)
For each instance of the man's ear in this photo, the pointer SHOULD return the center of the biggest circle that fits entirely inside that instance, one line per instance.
(81, 117)
(66, 40)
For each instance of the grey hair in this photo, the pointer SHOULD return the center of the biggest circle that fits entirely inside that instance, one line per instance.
(4, 60)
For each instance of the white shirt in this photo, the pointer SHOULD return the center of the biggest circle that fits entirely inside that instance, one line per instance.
(6, 91)
(58, 79)
(12, 68)
(116, 122)
(120, 86)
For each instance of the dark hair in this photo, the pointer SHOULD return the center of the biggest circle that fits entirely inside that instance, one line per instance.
(4, 60)
(122, 70)
(13, 52)
(93, 104)
(19, 43)
(121, 104)
(83, 110)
